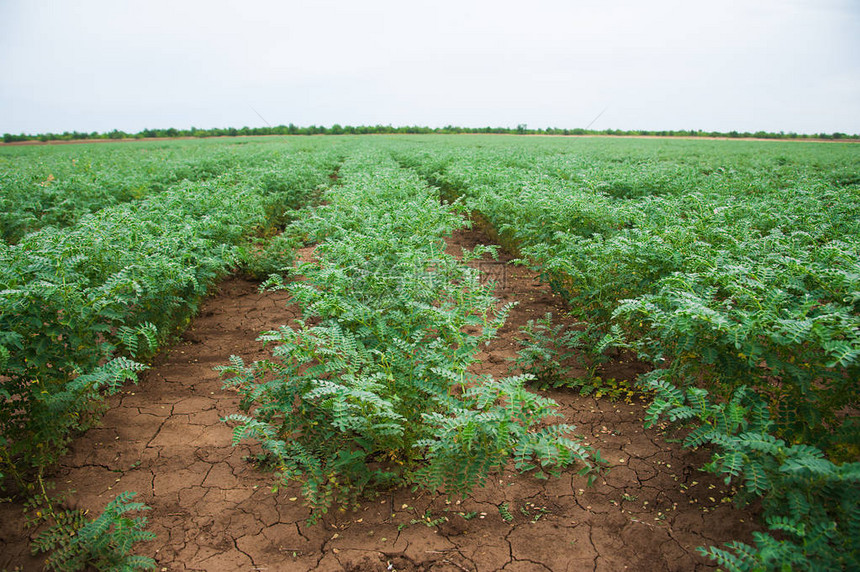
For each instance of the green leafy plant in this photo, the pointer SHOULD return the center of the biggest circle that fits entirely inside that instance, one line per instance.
(493, 421)
(104, 543)
(268, 256)
(546, 352)
(812, 504)
(428, 520)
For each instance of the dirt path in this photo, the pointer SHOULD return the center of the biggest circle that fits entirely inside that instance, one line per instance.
(215, 511)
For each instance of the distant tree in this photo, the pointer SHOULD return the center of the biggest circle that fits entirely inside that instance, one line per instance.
(338, 129)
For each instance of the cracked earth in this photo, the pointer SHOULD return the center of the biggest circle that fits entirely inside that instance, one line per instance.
(213, 510)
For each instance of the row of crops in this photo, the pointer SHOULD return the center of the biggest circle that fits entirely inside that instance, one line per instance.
(85, 304)
(372, 387)
(732, 267)
(737, 275)
(58, 187)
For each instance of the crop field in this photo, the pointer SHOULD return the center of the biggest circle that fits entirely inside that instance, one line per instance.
(430, 353)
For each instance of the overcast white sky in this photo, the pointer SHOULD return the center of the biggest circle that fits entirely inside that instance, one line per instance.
(96, 65)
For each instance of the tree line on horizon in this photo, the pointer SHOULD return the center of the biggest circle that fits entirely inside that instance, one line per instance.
(337, 129)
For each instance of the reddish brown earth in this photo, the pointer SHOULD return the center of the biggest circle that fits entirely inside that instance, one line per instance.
(213, 510)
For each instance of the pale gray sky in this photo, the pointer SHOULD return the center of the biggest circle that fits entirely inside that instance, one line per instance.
(747, 65)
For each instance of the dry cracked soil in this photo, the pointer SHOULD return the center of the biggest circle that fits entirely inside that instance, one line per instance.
(214, 510)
